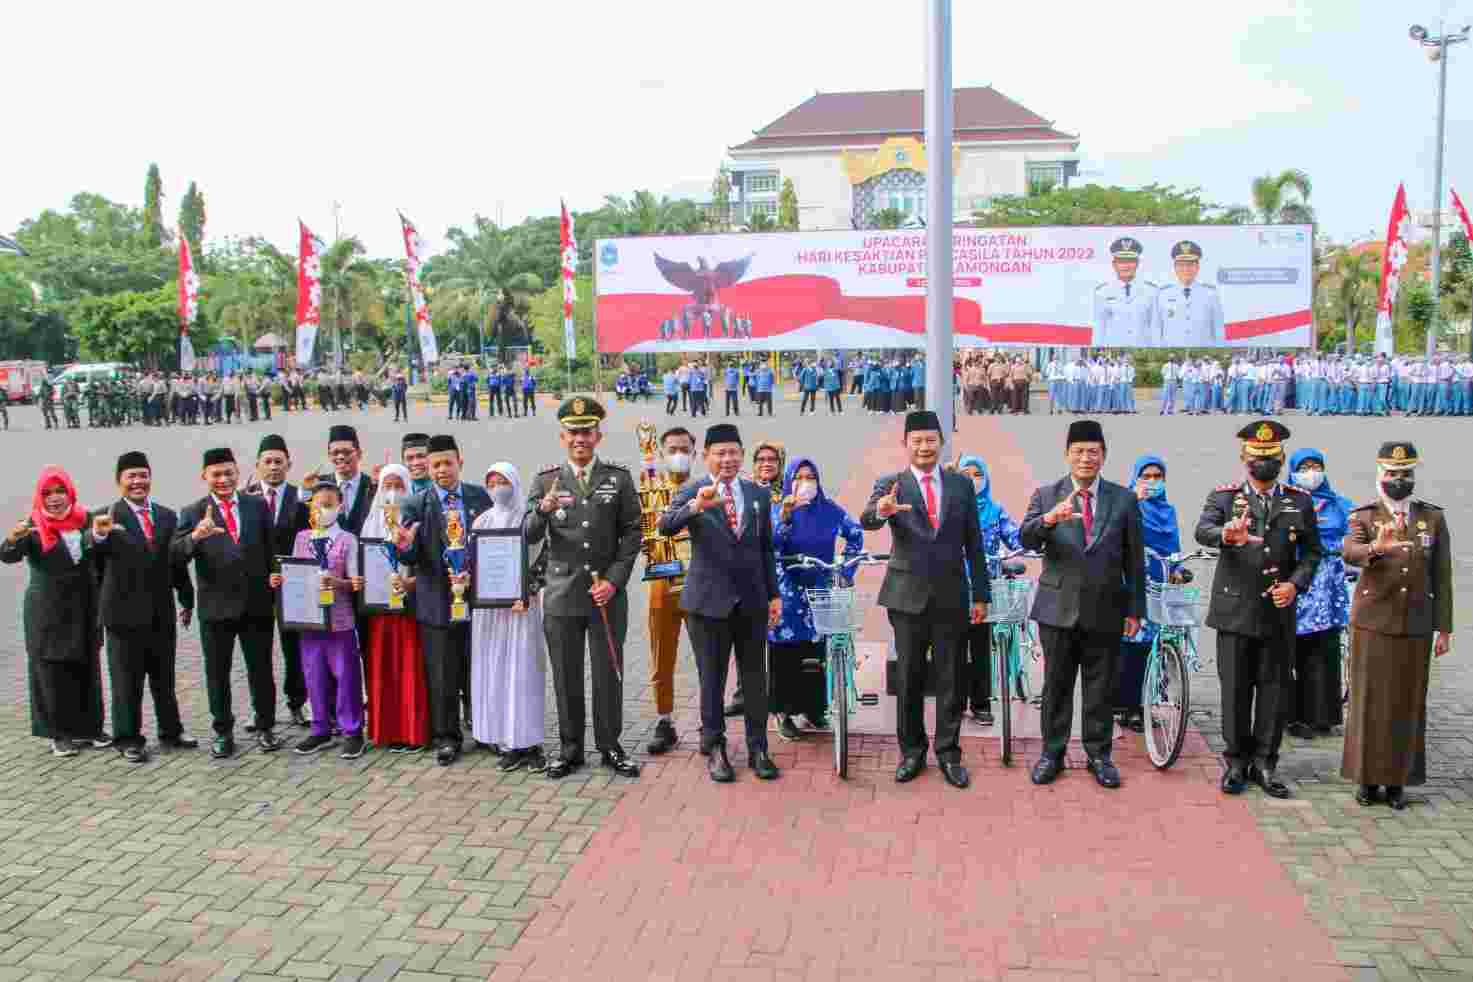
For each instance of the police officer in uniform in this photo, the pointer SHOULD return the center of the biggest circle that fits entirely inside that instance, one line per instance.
(1124, 308)
(1270, 547)
(1188, 313)
(587, 512)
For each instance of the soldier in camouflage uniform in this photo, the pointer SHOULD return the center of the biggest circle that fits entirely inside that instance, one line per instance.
(71, 405)
(48, 405)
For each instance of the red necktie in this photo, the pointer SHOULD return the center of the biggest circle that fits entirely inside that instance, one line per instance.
(1089, 515)
(931, 501)
(729, 503)
(227, 508)
(271, 503)
(146, 522)
(1401, 521)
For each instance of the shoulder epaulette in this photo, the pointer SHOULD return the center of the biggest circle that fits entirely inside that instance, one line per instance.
(1426, 504)
(550, 470)
(1226, 487)
(1369, 507)
(615, 465)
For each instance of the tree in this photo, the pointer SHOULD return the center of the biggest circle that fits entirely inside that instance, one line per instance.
(547, 320)
(1094, 204)
(96, 246)
(352, 294)
(645, 214)
(1456, 285)
(1283, 199)
(141, 327)
(192, 220)
(153, 208)
(720, 213)
(761, 221)
(787, 206)
(885, 218)
(487, 268)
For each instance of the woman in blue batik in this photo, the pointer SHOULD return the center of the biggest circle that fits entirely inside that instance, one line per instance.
(1324, 610)
(1162, 535)
(806, 523)
(998, 529)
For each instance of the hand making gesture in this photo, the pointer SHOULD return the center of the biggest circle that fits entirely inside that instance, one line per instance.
(548, 504)
(888, 504)
(1062, 512)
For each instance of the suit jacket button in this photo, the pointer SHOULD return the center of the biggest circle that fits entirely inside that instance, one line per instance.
(1403, 589)
(585, 545)
(585, 525)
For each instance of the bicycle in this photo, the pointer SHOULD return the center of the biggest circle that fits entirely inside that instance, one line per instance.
(1166, 695)
(837, 620)
(1012, 637)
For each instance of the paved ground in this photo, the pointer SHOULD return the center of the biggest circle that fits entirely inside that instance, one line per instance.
(389, 867)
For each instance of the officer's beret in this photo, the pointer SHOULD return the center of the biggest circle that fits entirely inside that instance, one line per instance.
(271, 441)
(131, 460)
(1397, 453)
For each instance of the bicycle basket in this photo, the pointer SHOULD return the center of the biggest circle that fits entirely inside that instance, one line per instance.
(1010, 600)
(1173, 604)
(834, 610)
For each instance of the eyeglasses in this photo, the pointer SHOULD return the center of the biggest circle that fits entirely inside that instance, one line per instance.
(342, 452)
(766, 459)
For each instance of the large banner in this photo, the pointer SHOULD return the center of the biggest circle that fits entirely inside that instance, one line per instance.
(1120, 287)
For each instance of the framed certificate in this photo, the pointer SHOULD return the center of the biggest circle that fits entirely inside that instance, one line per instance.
(373, 564)
(498, 567)
(298, 602)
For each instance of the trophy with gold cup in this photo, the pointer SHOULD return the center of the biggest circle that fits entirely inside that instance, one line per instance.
(455, 554)
(391, 550)
(665, 557)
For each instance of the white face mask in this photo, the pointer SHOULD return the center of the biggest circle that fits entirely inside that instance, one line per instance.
(805, 490)
(1309, 480)
(326, 517)
(501, 494)
(391, 497)
(678, 463)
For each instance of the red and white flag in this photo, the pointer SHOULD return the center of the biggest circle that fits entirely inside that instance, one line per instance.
(414, 254)
(1462, 215)
(570, 290)
(1398, 233)
(309, 293)
(188, 302)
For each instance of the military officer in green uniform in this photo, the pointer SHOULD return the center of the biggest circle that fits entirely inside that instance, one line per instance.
(48, 405)
(1269, 536)
(70, 405)
(586, 510)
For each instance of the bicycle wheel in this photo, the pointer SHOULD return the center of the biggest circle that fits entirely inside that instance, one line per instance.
(1166, 697)
(1001, 663)
(839, 704)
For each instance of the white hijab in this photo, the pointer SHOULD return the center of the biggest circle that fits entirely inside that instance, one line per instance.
(510, 516)
(373, 524)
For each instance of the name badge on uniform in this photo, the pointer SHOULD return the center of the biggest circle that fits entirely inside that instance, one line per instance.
(1426, 539)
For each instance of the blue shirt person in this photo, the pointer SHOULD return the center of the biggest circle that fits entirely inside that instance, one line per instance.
(1323, 611)
(1162, 534)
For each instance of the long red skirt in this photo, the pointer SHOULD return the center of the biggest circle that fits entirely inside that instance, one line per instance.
(398, 702)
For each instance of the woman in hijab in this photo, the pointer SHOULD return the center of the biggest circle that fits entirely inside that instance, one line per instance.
(1324, 610)
(1158, 520)
(806, 523)
(998, 530)
(398, 702)
(59, 617)
(508, 684)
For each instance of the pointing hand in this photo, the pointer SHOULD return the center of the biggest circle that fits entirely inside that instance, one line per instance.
(705, 498)
(889, 504)
(548, 504)
(1062, 512)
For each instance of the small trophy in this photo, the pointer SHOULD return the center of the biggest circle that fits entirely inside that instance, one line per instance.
(325, 595)
(391, 550)
(455, 562)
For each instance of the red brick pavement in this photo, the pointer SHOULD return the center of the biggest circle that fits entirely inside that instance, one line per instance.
(813, 878)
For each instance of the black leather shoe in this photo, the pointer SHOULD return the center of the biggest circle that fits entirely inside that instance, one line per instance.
(665, 738)
(1047, 768)
(512, 760)
(956, 775)
(223, 747)
(763, 766)
(618, 761)
(266, 741)
(1234, 781)
(561, 767)
(181, 742)
(1105, 772)
(299, 719)
(250, 727)
(910, 767)
(719, 767)
(734, 708)
(135, 755)
(445, 754)
(1269, 782)
(1301, 730)
(1368, 795)
(982, 717)
(1396, 798)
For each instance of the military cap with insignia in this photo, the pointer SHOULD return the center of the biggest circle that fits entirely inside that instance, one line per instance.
(1264, 438)
(1187, 251)
(580, 413)
(1126, 247)
(1397, 453)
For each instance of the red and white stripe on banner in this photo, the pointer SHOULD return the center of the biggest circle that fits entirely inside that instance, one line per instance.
(188, 302)
(414, 251)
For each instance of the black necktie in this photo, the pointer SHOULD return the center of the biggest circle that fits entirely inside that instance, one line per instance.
(1186, 291)
(1127, 291)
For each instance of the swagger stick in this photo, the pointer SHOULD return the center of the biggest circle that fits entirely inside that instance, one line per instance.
(609, 637)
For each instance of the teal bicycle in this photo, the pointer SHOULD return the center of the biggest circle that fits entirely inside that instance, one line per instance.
(837, 619)
(1166, 696)
(1014, 638)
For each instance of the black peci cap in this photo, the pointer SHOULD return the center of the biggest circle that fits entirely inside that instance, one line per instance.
(130, 460)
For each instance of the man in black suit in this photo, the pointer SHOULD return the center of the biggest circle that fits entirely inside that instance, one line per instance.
(730, 595)
(289, 515)
(1092, 590)
(446, 639)
(356, 487)
(228, 537)
(935, 538)
(140, 579)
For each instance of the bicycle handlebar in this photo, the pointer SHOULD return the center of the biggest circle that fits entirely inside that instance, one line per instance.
(1180, 558)
(812, 562)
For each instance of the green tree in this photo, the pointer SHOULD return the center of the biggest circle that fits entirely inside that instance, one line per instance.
(720, 212)
(153, 208)
(1093, 204)
(646, 214)
(353, 296)
(1456, 285)
(1352, 283)
(885, 218)
(192, 220)
(787, 206)
(1283, 199)
(487, 268)
(95, 246)
(140, 327)
(546, 312)
(761, 221)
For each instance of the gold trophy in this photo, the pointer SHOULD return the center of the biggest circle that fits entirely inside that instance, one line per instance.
(455, 562)
(320, 542)
(391, 549)
(665, 558)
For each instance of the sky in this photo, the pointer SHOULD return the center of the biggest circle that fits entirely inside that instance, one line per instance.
(282, 110)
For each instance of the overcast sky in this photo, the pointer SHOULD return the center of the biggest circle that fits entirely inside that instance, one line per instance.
(444, 110)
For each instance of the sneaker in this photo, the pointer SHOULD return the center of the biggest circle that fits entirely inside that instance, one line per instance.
(786, 729)
(411, 749)
(352, 747)
(313, 744)
(63, 748)
(100, 742)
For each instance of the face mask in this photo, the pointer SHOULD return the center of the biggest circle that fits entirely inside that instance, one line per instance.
(805, 490)
(1155, 488)
(326, 517)
(977, 485)
(501, 494)
(1397, 488)
(1265, 468)
(391, 497)
(1309, 480)
(678, 463)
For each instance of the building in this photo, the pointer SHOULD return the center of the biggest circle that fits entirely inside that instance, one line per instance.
(851, 154)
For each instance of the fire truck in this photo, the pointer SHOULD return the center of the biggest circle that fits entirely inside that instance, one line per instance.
(20, 380)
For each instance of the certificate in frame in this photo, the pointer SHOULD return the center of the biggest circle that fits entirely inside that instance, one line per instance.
(301, 579)
(498, 567)
(376, 597)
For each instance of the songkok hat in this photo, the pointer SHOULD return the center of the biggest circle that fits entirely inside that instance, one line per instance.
(130, 460)
(414, 440)
(722, 433)
(341, 432)
(219, 455)
(443, 443)
(272, 441)
(921, 419)
(1264, 438)
(1084, 431)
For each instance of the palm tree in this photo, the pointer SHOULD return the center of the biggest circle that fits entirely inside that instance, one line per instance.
(1351, 284)
(645, 214)
(485, 268)
(1283, 199)
(351, 296)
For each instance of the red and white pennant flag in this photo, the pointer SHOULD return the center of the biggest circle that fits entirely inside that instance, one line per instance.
(1398, 233)
(570, 290)
(309, 293)
(414, 252)
(1462, 215)
(188, 302)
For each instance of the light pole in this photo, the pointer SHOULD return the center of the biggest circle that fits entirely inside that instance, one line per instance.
(938, 114)
(1437, 51)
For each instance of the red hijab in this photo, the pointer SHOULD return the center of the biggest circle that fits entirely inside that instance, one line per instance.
(48, 528)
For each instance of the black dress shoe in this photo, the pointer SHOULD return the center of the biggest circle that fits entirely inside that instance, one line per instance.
(719, 767)
(223, 747)
(734, 708)
(512, 760)
(910, 767)
(1269, 781)
(1105, 772)
(982, 716)
(665, 738)
(1047, 768)
(181, 742)
(135, 755)
(250, 727)
(1368, 795)
(618, 761)
(956, 775)
(445, 754)
(561, 767)
(1234, 781)
(1301, 730)
(266, 741)
(763, 766)
(1396, 798)
(299, 719)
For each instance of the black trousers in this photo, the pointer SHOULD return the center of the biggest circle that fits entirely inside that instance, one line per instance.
(1254, 675)
(733, 404)
(684, 396)
(1317, 681)
(1130, 676)
(136, 655)
(401, 407)
(1093, 657)
(569, 641)
(217, 638)
(231, 412)
(836, 403)
(715, 640)
(941, 632)
(529, 404)
(447, 652)
(265, 397)
(670, 401)
(251, 406)
(294, 681)
(510, 399)
(856, 386)
(978, 649)
(796, 678)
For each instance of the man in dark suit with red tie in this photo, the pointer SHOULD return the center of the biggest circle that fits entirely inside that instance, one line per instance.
(935, 539)
(140, 579)
(1091, 592)
(289, 515)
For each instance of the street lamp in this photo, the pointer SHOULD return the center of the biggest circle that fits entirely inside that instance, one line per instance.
(1437, 51)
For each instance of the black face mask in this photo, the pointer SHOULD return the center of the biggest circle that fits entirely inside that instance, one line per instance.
(1397, 488)
(1265, 468)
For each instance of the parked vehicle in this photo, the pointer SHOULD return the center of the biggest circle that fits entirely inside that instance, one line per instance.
(85, 375)
(20, 379)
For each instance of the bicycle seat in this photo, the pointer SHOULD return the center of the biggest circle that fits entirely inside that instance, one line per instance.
(1013, 567)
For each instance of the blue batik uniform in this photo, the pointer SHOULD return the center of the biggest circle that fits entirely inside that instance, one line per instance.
(809, 531)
